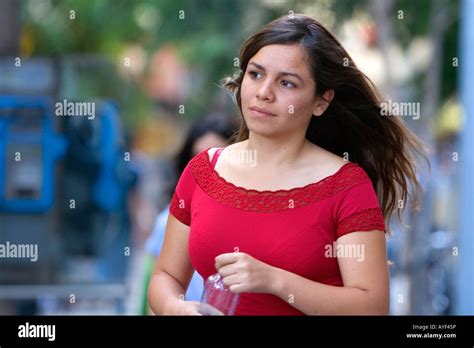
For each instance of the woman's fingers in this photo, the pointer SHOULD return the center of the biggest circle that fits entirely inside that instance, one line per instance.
(227, 270)
(225, 259)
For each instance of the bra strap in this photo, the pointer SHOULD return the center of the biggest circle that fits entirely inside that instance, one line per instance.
(216, 156)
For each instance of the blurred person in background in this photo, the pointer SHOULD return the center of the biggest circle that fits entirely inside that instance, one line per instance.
(215, 130)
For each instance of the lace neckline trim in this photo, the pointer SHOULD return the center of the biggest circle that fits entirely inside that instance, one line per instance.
(209, 180)
(298, 188)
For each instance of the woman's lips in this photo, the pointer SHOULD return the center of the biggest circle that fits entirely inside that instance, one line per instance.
(260, 112)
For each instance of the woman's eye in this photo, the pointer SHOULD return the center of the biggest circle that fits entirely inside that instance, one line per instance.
(254, 74)
(288, 84)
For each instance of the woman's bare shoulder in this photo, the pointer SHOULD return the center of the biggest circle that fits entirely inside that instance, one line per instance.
(233, 146)
(323, 158)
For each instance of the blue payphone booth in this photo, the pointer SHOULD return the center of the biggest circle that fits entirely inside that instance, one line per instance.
(29, 149)
(108, 189)
(35, 192)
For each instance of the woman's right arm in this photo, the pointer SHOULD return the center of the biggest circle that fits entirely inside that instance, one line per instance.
(173, 273)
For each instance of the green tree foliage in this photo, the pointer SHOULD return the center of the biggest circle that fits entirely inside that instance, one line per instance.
(207, 33)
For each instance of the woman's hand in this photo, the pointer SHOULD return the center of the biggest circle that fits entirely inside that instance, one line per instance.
(243, 273)
(188, 308)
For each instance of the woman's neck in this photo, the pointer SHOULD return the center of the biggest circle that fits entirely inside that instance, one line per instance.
(275, 153)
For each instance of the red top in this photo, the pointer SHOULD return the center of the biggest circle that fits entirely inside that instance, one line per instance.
(288, 229)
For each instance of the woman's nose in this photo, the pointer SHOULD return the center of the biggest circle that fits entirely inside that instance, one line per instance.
(264, 91)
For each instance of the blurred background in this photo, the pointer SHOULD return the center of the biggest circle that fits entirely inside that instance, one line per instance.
(90, 187)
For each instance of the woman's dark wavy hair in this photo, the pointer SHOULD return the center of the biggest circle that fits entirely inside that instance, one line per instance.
(353, 123)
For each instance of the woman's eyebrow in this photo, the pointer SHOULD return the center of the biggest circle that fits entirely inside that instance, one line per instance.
(281, 73)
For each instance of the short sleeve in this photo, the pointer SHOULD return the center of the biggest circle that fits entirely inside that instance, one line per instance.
(180, 206)
(358, 209)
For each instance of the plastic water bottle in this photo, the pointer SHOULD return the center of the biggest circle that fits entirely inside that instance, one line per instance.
(217, 299)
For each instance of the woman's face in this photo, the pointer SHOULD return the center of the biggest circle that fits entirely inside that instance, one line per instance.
(278, 91)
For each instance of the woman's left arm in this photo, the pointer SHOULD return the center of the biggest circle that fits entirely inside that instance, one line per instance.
(365, 277)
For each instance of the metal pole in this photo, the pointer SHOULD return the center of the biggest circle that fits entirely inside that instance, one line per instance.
(464, 282)
(10, 27)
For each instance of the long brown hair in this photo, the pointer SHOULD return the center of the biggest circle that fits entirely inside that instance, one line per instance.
(353, 123)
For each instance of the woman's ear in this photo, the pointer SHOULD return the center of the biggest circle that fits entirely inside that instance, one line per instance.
(323, 102)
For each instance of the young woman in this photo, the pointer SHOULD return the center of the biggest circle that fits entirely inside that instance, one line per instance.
(300, 230)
